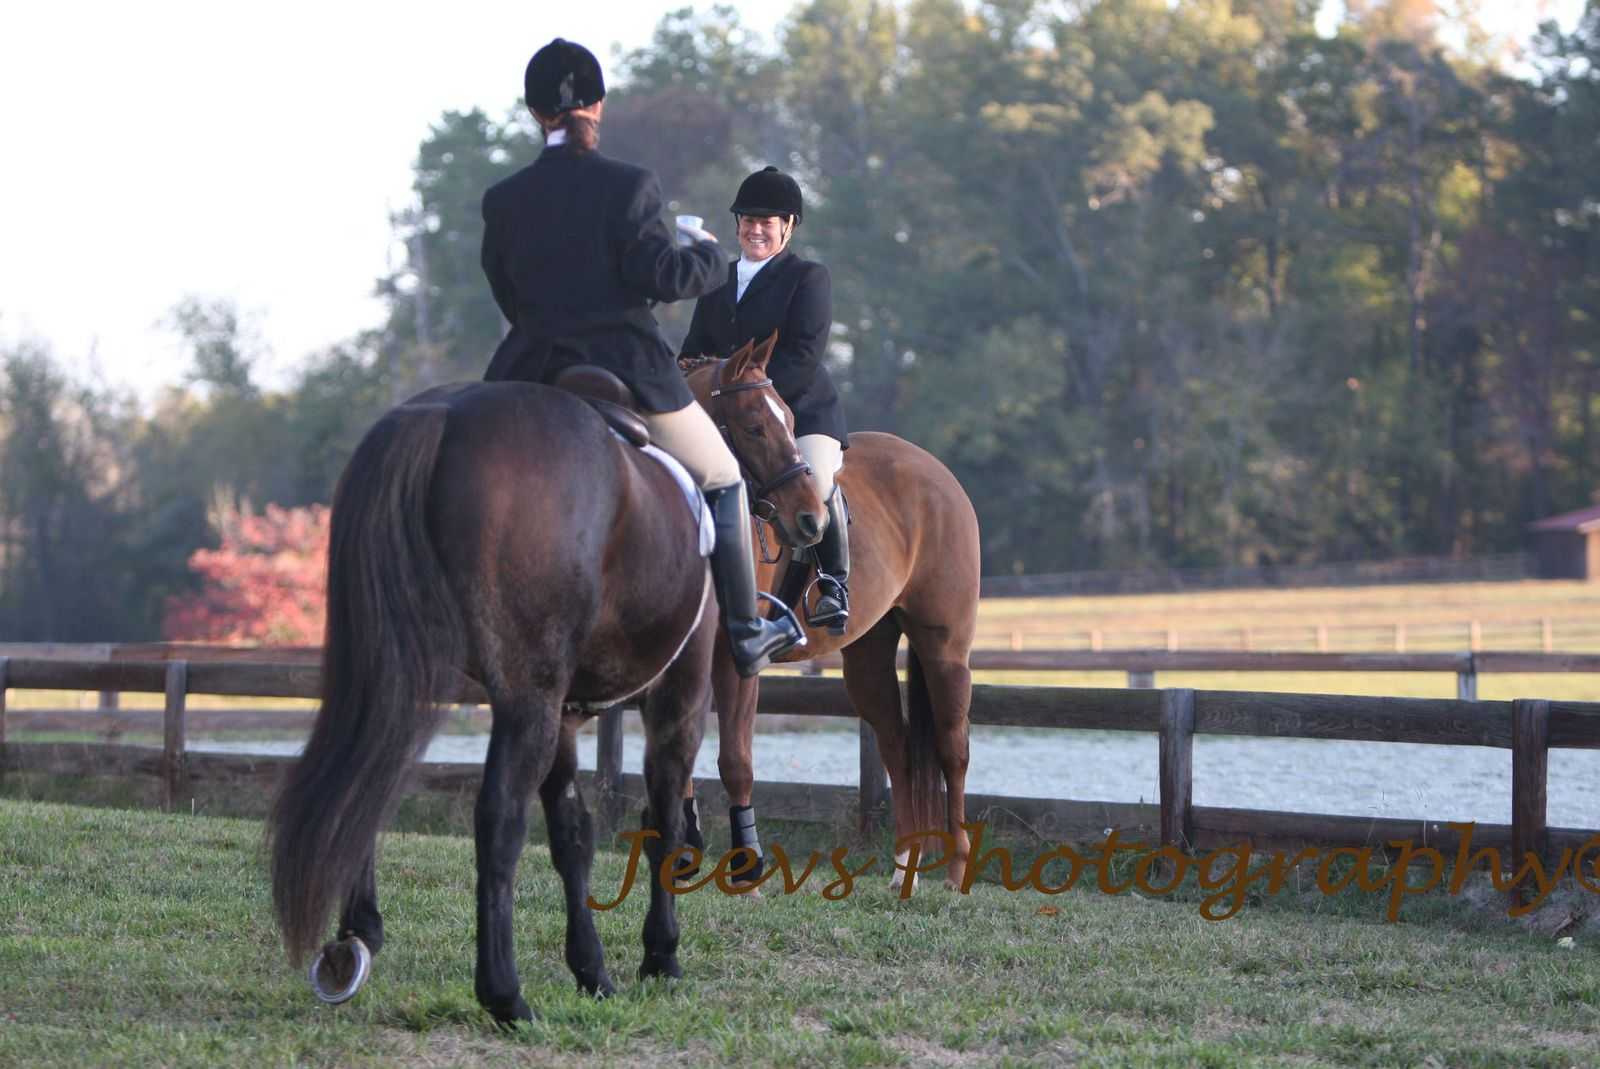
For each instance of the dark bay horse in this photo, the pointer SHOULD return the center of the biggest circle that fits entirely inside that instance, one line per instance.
(914, 572)
(500, 532)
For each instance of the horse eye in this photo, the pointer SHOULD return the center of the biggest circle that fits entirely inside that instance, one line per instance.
(756, 430)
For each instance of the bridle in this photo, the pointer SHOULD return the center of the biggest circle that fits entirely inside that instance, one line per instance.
(760, 503)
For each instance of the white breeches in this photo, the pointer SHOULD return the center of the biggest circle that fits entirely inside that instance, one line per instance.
(826, 456)
(690, 436)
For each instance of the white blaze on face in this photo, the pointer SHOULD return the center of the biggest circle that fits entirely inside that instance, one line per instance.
(775, 408)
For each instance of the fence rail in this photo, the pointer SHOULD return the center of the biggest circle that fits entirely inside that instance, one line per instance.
(1528, 728)
(1544, 633)
(1502, 567)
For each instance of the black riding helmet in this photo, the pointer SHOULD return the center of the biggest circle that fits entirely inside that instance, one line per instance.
(561, 77)
(768, 192)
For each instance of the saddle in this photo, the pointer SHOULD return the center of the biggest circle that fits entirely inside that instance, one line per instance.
(607, 395)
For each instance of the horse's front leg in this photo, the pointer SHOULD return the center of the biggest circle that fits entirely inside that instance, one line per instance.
(674, 714)
(736, 699)
(572, 851)
(522, 746)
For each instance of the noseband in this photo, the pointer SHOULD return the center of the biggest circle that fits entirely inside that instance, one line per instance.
(760, 504)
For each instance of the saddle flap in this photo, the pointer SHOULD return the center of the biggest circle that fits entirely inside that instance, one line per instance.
(607, 395)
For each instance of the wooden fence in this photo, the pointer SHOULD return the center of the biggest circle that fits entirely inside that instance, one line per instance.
(1543, 633)
(1528, 728)
(1500, 568)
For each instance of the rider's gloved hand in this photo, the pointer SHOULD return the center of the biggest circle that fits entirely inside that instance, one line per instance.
(690, 230)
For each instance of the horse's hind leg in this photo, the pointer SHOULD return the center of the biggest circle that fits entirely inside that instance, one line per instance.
(522, 746)
(344, 964)
(874, 689)
(944, 693)
(572, 850)
(674, 715)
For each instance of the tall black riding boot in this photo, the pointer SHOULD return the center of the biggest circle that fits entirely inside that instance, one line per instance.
(833, 569)
(755, 640)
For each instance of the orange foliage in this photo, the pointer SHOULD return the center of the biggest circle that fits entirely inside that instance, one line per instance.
(266, 584)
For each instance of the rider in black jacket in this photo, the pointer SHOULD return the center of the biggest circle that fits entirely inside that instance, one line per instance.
(771, 288)
(576, 253)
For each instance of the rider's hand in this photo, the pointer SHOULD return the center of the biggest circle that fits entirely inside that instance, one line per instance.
(688, 234)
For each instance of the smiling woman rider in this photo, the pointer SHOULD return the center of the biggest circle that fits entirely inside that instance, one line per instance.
(771, 288)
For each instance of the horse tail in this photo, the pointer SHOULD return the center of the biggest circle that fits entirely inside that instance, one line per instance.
(394, 636)
(923, 768)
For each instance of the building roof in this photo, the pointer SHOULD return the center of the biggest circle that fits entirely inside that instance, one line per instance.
(1583, 521)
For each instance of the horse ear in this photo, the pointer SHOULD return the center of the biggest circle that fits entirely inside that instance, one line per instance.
(763, 352)
(739, 361)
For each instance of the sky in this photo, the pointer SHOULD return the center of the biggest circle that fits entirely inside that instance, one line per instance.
(251, 152)
(254, 153)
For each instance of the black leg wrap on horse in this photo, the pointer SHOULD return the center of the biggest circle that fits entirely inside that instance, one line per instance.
(743, 820)
(692, 836)
(832, 609)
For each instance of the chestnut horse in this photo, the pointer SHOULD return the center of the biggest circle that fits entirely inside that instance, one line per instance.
(499, 532)
(914, 572)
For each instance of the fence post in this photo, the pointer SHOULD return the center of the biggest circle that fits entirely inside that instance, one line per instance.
(1141, 680)
(174, 731)
(1530, 761)
(1467, 680)
(1474, 636)
(1172, 640)
(1322, 638)
(1097, 641)
(1177, 767)
(874, 789)
(608, 769)
(1547, 638)
(1399, 638)
(5, 670)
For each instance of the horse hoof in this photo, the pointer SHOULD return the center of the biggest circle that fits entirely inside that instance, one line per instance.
(600, 989)
(340, 970)
(661, 968)
(509, 1018)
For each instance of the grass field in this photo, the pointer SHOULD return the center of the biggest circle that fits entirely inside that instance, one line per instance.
(134, 938)
(1433, 616)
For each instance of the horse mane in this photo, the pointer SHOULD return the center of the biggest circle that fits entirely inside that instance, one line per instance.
(687, 364)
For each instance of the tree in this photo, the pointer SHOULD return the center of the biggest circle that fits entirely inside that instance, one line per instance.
(265, 584)
(63, 573)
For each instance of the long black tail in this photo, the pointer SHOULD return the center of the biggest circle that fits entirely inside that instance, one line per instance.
(394, 634)
(923, 769)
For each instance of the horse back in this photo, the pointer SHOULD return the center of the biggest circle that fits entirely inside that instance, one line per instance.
(558, 533)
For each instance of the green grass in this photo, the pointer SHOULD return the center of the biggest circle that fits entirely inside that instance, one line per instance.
(135, 938)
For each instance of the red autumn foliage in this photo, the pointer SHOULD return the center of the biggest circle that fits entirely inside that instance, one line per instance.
(266, 584)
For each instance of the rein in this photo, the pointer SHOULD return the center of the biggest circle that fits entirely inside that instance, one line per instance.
(760, 505)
